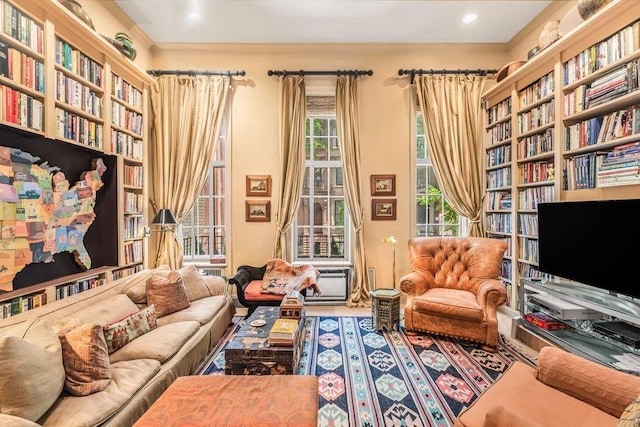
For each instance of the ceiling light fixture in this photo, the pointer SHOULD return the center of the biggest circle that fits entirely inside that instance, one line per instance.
(469, 17)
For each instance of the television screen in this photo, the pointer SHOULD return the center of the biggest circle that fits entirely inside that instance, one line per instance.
(596, 243)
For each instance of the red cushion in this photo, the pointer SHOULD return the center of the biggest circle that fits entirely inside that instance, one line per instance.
(252, 293)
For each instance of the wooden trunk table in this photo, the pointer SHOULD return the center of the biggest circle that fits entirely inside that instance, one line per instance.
(248, 353)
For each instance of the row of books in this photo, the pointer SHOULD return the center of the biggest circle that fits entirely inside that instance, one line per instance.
(499, 178)
(20, 304)
(133, 175)
(133, 252)
(69, 289)
(533, 172)
(21, 68)
(621, 166)
(499, 155)
(499, 222)
(528, 249)
(125, 272)
(133, 202)
(536, 144)
(498, 200)
(534, 92)
(537, 117)
(528, 198)
(77, 128)
(133, 227)
(78, 63)
(125, 118)
(21, 27)
(619, 45)
(21, 109)
(528, 224)
(500, 132)
(125, 92)
(499, 111)
(76, 94)
(596, 130)
(125, 144)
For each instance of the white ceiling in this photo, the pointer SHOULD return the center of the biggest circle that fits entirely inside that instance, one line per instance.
(308, 21)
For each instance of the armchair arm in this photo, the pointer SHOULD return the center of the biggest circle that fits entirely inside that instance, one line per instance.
(491, 293)
(605, 388)
(413, 284)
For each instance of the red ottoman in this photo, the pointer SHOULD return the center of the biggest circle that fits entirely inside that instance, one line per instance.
(236, 400)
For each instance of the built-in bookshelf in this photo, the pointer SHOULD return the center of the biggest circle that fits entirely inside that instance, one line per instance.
(63, 81)
(576, 131)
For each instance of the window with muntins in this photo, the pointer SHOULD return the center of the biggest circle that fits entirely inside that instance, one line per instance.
(320, 233)
(204, 229)
(434, 215)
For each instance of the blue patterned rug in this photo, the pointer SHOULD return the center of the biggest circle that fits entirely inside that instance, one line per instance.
(369, 379)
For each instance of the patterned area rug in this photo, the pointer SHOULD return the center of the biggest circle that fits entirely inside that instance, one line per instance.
(368, 378)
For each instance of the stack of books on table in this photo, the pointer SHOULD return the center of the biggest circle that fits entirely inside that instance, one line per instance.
(284, 332)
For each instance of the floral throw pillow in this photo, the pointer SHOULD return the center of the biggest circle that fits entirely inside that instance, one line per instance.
(119, 334)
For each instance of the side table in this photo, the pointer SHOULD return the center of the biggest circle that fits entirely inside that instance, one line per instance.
(385, 309)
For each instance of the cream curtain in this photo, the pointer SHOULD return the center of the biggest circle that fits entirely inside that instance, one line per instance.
(451, 109)
(187, 117)
(293, 115)
(348, 121)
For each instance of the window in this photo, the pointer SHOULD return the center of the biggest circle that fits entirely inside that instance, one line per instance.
(319, 232)
(204, 229)
(434, 216)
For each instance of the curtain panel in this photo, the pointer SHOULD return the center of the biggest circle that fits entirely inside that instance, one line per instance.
(348, 123)
(451, 108)
(187, 115)
(293, 114)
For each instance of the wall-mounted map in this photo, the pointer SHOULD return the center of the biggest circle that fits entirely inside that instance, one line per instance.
(41, 214)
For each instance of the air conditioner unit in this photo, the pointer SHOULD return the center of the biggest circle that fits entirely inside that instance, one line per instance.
(334, 285)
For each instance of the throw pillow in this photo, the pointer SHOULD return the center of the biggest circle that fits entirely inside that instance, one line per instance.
(168, 295)
(631, 415)
(118, 334)
(35, 378)
(193, 281)
(86, 360)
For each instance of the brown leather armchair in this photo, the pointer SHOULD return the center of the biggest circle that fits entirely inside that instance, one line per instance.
(454, 288)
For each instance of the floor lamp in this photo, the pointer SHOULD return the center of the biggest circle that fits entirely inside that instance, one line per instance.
(166, 221)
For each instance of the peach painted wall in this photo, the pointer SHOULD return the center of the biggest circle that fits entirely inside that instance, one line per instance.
(385, 124)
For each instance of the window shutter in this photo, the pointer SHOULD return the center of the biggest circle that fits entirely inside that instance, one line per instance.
(321, 106)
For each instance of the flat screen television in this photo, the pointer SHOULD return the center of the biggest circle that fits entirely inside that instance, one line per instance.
(596, 243)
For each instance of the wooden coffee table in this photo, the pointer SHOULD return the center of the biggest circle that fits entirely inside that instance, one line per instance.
(248, 353)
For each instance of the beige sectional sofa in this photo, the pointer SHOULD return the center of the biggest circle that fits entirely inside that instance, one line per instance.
(31, 356)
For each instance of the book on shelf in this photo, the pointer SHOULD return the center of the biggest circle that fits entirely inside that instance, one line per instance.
(283, 332)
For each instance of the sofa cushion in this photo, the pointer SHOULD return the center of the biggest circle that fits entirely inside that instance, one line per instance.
(32, 375)
(193, 281)
(86, 359)
(605, 388)
(253, 293)
(107, 311)
(448, 302)
(202, 311)
(127, 378)
(11, 421)
(533, 400)
(160, 344)
(167, 294)
(120, 333)
(136, 290)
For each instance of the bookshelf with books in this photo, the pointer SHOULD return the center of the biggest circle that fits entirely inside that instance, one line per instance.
(498, 172)
(62, 81)
(576, 126)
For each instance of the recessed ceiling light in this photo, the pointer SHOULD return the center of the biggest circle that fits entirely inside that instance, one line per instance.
(469, 17)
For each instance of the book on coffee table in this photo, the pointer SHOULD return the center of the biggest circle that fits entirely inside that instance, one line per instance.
(283, 332)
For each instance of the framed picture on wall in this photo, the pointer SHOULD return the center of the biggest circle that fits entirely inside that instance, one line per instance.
(383, 209)
(383, 185)
(258, 185)
(257, 210)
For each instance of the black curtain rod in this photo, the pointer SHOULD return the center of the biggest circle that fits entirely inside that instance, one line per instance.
(195, 73)
(321, 73)
(413, 72)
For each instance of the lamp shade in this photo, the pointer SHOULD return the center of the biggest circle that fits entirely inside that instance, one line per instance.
(164, 217)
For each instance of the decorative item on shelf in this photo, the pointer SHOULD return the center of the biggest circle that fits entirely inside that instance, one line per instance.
(393, 241)
(533, 52)
(78, 11)
(128, 49)
(508, 69)
(165, 219)
(549, 34)
(586, 8)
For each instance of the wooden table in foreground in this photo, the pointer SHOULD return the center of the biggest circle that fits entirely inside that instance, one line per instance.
(248, 353)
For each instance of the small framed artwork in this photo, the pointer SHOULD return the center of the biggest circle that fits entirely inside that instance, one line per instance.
(257, 210)
(383, 185)
(383, 209)
(258, 185)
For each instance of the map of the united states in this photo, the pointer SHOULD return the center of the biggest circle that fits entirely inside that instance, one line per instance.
(41, 214)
